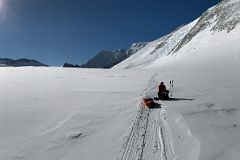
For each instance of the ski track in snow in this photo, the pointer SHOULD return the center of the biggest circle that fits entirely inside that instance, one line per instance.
(150, 136)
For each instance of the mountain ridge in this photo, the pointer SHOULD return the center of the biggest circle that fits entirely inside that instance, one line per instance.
(221, 18)
(22, 62)
(108, 59)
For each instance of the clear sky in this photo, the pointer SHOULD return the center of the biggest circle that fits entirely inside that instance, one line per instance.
(58, 31)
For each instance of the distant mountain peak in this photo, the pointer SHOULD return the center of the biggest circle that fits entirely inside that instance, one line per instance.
(107, 59)
(6, 62)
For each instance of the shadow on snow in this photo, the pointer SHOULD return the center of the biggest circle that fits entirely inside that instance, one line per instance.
(155, 106)
(175, 99)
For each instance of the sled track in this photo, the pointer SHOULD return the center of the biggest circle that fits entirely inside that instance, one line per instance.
(144, 136)
(149, 138)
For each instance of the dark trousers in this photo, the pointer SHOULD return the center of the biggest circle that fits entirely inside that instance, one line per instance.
(163, 95)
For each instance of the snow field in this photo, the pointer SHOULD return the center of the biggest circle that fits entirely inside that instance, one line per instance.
(57, 113)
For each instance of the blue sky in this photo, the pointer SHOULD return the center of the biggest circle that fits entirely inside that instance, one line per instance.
(58, 31)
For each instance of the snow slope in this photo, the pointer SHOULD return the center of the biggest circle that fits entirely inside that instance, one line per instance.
(215, 34)
(153, 50)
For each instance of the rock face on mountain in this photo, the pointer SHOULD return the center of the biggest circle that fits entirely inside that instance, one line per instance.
(108, 59)
(223, 18)
(5, 62)
(136, 47)
(68, 65)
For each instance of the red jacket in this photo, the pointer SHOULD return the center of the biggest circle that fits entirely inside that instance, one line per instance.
(161, 88)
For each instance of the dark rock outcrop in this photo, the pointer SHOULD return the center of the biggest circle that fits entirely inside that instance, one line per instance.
(106, 59)
(20, 62)
(68, 65)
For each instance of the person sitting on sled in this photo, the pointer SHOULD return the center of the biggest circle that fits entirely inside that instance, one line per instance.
(162, 91)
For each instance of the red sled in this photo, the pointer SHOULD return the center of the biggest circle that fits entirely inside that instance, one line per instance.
(149, 102)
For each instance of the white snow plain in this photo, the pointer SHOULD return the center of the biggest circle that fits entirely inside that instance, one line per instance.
(57, 113)
(89, 114)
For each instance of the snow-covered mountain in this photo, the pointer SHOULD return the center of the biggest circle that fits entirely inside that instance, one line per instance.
(136, 47)
(215, 29)
(6, 62)
(107, 59)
